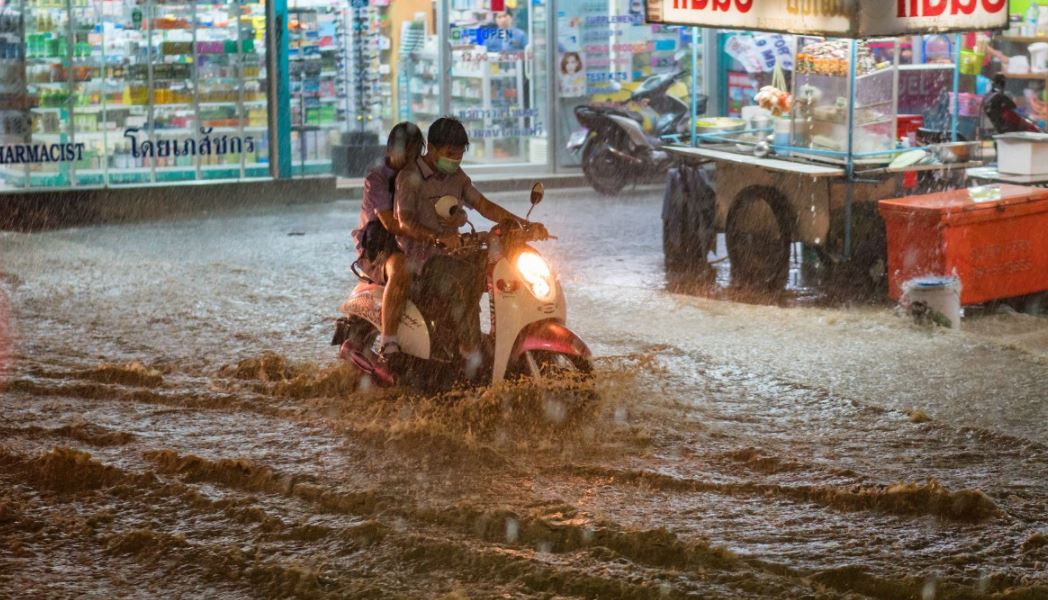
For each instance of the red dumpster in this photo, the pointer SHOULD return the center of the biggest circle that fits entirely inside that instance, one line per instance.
(995, 238)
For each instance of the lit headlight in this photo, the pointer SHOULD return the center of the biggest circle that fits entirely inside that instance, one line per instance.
(536, 273)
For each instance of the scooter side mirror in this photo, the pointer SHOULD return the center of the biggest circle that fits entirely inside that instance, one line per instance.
(537, 192)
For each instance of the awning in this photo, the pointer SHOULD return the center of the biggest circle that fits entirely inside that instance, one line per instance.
(836, 18)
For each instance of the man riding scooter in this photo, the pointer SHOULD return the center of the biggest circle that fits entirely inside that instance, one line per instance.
(427, 239)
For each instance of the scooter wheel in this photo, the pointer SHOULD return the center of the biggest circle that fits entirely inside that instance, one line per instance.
(541, 363)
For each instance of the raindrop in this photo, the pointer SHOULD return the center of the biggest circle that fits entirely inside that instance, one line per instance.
(512, 530)
(545, 547)
(555, 410)
(587, 535)
(928, 591)
(365, 384)
(665, 589)
(620, 414)
(984, 583)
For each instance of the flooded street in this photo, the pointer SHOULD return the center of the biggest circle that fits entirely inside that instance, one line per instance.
(175, 424)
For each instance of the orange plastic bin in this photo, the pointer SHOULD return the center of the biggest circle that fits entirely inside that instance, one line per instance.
(996, 243)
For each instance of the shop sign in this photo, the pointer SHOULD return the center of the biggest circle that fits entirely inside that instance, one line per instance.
(19, 154)
(482, 57)
(476, 36)
(507, 132)
(843, 18)
(605, 76)
(203, 146)
(503, 113)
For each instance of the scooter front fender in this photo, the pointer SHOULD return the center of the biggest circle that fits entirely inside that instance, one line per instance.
(551, 336)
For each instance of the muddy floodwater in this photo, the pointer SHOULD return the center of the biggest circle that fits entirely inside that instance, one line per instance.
(173, 423)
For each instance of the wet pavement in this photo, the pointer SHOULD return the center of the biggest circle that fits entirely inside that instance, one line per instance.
(175, 424)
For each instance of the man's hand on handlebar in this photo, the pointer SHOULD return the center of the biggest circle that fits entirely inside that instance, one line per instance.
(537, 232)
(449, 241)
(457, 219)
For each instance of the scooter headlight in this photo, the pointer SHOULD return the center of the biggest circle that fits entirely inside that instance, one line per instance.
(537, 274)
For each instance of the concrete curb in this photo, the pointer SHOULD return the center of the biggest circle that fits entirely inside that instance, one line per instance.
(56, 209)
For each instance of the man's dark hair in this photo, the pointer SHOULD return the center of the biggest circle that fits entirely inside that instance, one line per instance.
(447, 131)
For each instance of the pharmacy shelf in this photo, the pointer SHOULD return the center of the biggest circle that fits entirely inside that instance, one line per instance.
(1022, 39)
(1033, 76)
(86, 108)
(928, 67)
(118, 135)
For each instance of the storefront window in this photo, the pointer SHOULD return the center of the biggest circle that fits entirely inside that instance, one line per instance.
(494, 87)
(123, 92)
(131, 92)
(605, 49)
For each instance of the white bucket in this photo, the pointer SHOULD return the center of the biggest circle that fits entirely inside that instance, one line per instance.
(940, 294)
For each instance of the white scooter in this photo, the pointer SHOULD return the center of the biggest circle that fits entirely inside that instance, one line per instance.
(528, 335)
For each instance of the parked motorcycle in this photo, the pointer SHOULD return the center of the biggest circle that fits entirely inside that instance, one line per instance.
(528, 333)
(616, 150)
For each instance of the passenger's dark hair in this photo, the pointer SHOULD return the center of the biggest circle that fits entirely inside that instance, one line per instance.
(447, 131)
(404, 145)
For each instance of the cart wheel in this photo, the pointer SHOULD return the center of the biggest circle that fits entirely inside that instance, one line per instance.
(675, 224)
(688, 232)
(758, 232)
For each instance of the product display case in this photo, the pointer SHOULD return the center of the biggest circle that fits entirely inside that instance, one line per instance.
(319, 82)
(143, 92)
(417, 74)
(419, 82)
(826, 101)
(370, 68)
(15, 119)
(487, 91)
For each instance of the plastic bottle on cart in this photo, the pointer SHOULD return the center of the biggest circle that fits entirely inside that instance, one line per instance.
(1030, 21)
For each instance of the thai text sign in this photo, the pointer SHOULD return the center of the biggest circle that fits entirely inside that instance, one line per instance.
(842, 18)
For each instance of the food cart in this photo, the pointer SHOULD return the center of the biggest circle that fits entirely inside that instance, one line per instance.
(819, 180)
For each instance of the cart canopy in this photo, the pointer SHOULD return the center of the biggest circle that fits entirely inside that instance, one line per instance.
(834, 18)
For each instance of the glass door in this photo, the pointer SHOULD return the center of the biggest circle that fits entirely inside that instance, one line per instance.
(498, 79)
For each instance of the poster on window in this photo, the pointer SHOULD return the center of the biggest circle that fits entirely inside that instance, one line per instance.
(568, 34)
(571, 75)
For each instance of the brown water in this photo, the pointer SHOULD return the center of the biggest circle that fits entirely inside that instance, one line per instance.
(174, 424)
